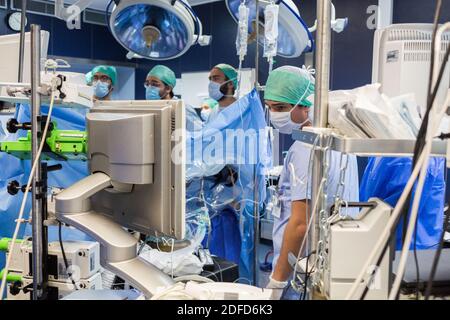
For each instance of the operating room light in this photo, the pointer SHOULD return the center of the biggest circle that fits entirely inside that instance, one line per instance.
(293, 35)
(155, 29)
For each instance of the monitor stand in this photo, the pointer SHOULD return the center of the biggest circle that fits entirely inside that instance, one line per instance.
(118, 248)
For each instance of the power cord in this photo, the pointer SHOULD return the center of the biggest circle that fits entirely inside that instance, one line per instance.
(66, 264)
(419, 146)
(443, 136)
(437, 256)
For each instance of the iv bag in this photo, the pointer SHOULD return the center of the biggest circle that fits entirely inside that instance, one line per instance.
(270, 30)
(242, 34)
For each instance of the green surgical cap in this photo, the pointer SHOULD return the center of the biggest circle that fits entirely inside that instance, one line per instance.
(211, 103)
(164, 74)
(89, 78)
(111, 72)
(229, 72)
(291, 85)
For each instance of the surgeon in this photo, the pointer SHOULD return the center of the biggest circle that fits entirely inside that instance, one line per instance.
(208, 109)
(160, 83)
(385, 178)
(103, 79)
(223, 82)
(287, 95)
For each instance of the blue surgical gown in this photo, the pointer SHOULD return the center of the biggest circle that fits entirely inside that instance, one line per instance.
(385, 178)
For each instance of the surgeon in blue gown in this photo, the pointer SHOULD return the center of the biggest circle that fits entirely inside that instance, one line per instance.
(224, 238)
(385, 178)
(227, 185)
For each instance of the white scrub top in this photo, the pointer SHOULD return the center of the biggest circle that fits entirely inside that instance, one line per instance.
(293, 181)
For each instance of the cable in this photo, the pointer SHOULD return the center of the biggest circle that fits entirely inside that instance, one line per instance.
(243, 278)
(419, 144)
(430, 99)
(411, 227)
(193, 277)
(178, 292)
(215, 276)
(414, 212)
(390, 228)
(437, 15)
(415, 208)
(314, 209)
(413, 216)
(220, 269)
(107, 15)
(423, 175)
(267, 255)
(198, 24)
(437, 257)
(66, 264)
(27, 189)
(307, 275)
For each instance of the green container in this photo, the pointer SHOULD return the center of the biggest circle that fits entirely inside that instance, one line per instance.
(11, 277)
(61, 145)
(4, 243)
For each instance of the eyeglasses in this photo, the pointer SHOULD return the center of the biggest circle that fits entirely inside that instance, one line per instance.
(102, 78)
(280, 107)
(152, 83)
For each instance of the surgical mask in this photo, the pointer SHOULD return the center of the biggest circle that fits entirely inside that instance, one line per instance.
(205, 113)
(101, 89)
(283, 122)
(152, 93)
(214, 90)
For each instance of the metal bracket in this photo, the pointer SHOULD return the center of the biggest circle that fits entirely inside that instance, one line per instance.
(61, 12)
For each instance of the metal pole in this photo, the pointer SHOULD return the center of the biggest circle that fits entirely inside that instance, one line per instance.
(22, 40)
(257, 46)
(255, 176)
(255, 226)
(37, 218)
(323, 45)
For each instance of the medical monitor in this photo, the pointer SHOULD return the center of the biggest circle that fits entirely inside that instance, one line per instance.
(401, 61)
(140, 145)
(9, 63)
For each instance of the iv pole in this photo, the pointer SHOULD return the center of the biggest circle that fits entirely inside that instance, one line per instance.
(256, 180)
(39, 232)
(22, 40)
(322, 61)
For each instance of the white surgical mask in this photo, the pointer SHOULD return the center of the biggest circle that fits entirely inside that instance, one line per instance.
(283, 122)
(214, 90)
(101, 89)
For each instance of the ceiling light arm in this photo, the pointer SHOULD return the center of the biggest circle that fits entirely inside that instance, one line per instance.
(338, 25)
(63, 13)
(201, 39)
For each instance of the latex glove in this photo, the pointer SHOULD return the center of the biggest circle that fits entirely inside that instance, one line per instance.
(277, 287)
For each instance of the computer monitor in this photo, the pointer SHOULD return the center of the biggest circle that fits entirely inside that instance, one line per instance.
(401, 61)
(9, 63)
(136, 152)
(132, 142)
